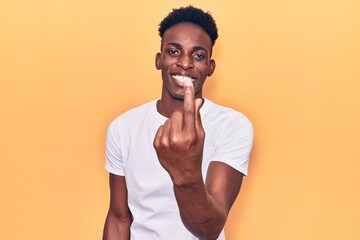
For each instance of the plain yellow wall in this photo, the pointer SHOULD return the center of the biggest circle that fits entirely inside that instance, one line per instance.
(67, 68)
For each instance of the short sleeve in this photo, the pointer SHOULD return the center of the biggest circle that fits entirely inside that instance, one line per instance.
(235, 143)
(114, 163)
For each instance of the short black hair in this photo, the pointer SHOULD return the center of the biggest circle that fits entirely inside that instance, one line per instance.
(193, 15)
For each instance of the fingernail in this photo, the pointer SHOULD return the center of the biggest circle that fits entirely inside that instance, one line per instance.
(188, 83)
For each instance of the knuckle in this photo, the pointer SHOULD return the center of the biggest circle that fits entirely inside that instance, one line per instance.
(189, 109)
(156, 144)
(188, 91)
(163, 142)
(191, 139)
(173, 140)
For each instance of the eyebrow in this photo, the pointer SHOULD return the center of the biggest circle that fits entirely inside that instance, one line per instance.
(178, 45)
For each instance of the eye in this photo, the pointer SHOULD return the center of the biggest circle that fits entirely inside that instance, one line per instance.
(199, 56)
(173, 52)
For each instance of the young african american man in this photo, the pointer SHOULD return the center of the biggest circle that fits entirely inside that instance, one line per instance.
(176, 164)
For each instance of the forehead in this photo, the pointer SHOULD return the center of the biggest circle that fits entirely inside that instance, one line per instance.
(187, 35)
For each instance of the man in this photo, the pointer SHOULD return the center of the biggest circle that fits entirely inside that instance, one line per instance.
(176, 164)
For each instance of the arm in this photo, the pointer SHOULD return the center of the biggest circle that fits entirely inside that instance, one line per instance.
(119, 218)
(204, 208)
(179, 145)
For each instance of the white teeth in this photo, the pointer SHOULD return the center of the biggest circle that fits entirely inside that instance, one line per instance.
(181, 78)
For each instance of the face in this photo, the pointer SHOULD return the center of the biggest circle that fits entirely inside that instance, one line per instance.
(185, 53)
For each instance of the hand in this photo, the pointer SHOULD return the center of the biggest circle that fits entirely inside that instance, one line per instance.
(179, 142)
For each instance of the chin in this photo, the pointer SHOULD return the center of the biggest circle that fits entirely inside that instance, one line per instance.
(178, 96)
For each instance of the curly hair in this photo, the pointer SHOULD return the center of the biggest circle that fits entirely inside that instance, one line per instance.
(193, 15)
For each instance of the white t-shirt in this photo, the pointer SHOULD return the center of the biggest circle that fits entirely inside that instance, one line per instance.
(151, 199)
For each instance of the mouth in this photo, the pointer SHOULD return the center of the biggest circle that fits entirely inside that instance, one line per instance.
(181, 79)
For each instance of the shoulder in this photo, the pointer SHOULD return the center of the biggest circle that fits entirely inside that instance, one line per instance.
(230, 134)
(218, 115)
(133, 115)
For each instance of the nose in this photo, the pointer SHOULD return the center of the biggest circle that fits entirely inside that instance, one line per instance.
(185, 62)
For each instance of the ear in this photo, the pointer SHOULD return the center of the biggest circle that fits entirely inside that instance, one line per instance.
(157, 61)
(212, 67)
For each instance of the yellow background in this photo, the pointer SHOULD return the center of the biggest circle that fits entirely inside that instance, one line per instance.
(67, 68)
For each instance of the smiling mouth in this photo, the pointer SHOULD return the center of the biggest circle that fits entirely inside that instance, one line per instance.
(182, 79)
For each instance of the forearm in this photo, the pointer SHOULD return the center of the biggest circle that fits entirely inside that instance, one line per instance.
(199, 211)
(117, 228)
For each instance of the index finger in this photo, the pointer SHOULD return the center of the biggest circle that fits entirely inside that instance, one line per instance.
(189, 106)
